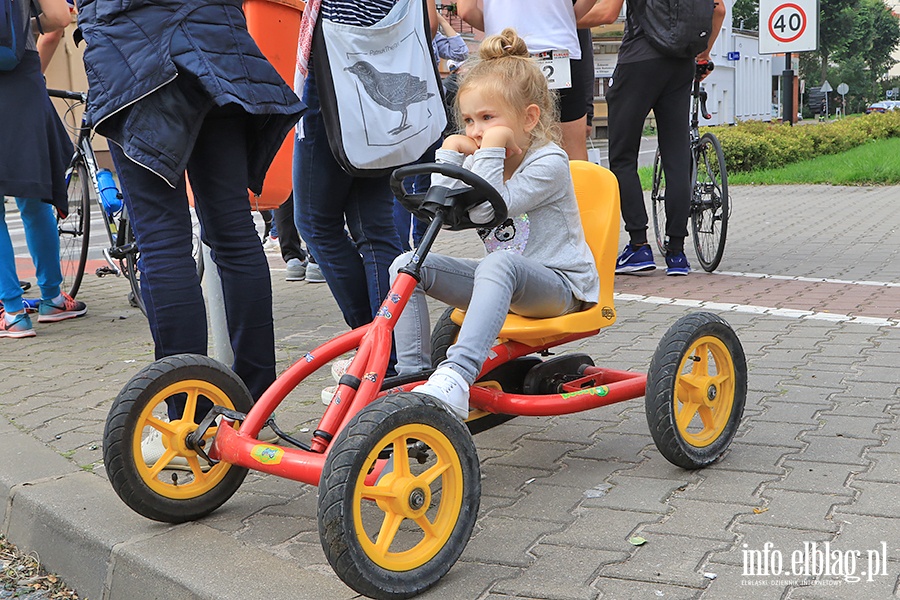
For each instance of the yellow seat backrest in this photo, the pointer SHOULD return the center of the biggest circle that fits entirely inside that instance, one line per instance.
(597, 191)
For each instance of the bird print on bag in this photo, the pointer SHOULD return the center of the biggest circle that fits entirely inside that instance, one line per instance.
(394, 91)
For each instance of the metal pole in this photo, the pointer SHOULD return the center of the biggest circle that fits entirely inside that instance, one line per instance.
(215, 310)
(787, 91)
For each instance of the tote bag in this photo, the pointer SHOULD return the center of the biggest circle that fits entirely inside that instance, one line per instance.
(381, 97)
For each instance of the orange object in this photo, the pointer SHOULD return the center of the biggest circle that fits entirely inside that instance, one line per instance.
(275, 26)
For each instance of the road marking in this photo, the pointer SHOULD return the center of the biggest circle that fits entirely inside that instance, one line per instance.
(809, 279)
(791, 313)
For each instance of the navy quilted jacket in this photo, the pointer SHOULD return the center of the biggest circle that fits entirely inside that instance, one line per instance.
(156, 67)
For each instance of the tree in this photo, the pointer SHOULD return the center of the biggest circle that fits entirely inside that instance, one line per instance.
(745, 14)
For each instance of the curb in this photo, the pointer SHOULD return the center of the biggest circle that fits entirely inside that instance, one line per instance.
(80, 529)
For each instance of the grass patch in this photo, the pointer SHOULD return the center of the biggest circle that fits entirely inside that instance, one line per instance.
(874, 163)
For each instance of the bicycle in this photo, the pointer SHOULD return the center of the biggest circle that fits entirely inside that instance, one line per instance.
(399, 477)
(84, 189)
(86, 185)
(710, 206)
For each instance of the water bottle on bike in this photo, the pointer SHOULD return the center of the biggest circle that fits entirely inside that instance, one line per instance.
(110, 196)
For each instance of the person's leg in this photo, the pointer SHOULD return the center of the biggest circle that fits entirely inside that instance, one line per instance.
(402, 221)
(42, 237)
(321, 189)
(288, 236)
(10, 290)
(444, 278)
(572, 109)
(218, 172)
(629, 99)
(671, 110)
(505, 282)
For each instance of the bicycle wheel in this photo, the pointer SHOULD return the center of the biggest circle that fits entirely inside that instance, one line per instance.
(709, 203)
(131, 270)
(658, 203)
(75, 229)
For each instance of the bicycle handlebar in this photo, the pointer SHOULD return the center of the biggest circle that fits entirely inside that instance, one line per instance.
(702, 69)
(68, 95)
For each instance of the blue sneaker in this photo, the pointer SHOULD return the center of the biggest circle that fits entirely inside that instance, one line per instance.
(677, 264)
(20, 327)
(635, 260)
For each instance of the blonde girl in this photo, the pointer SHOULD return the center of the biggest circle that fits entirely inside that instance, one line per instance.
(537, 263)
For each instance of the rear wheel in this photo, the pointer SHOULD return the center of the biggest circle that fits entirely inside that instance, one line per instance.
(398, 496)
(658, 202)
(75, 229)
(710, 206)
(172, 483)
(131, 270)
(696, 389)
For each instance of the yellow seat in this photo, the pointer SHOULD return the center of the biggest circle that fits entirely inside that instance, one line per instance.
(597, 191)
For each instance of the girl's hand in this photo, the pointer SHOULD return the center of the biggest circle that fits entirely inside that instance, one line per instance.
(501, 137)
(460, 143)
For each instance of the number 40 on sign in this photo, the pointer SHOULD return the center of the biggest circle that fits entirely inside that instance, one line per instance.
(788, 26)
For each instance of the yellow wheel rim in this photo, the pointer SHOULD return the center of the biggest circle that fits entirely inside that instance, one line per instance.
(404, 518)
(182, 484)
(704, 392)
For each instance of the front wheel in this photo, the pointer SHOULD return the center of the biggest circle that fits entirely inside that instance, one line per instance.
(658, 202)
(696, 389)
(149, 464)
(398, 496)
(710, 206)
(75, 229)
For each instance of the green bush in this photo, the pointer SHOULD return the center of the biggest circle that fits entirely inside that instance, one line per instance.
(753, 145)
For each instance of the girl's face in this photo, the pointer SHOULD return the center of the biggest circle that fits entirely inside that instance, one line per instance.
(481, 112)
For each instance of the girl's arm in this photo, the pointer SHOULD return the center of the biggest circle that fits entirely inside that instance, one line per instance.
(54, 15)
(470, 13)
(433, 17)
(533, 185)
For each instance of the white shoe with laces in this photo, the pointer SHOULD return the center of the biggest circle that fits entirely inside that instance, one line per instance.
(339, 367)
(449, 387)
(152, 449)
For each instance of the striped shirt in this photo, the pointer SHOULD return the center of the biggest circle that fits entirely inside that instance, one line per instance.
(362, 13)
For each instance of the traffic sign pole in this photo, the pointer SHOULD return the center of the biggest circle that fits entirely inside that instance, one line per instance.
(787, 91)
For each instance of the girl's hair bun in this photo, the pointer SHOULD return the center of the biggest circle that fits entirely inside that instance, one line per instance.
(504, 44)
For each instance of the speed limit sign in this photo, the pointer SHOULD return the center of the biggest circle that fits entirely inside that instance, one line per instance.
(788, 26)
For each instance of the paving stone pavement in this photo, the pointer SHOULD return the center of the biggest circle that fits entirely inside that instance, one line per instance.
(811, 284)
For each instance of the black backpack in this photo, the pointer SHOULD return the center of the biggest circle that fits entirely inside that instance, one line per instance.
(678, 28)
(12, 33)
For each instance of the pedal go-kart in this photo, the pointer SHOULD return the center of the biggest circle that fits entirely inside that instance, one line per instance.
(398, 475)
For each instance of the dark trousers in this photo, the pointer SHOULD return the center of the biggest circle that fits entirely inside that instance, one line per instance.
(664, 86)
(170, 287)
(288, 236)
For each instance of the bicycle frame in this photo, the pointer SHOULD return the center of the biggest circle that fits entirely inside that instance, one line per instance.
(363, 381)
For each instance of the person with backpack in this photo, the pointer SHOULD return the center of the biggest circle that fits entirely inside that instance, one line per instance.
(655, 71)
(34, 152)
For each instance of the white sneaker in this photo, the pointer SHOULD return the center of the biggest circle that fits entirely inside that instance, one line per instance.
(271, 245)
(450, 388)
(314, 273)
(339, 367)
(152, 449)
(328, 394)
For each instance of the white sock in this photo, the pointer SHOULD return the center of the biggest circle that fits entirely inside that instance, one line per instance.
(10, 317)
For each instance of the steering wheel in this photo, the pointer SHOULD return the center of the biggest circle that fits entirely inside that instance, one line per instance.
(454, 202)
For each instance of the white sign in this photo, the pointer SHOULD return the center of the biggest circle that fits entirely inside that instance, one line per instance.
(826, 87)
(788, 26)
(843, 89)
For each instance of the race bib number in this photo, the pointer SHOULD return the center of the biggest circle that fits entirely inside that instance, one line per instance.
(555, 66)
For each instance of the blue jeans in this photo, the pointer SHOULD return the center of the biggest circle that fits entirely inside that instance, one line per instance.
(404, 220)
(488, 289)
(326, 199)
(42, 237)
(170, 287)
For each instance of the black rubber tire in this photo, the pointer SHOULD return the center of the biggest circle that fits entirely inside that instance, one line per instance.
(665, 391)
(443, 335)
(352, 455)
(75, 229)
(123, 431)
(131, 270)
(710, 204)
(658, 202)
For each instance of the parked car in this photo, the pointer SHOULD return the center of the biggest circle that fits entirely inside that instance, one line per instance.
(883, 106)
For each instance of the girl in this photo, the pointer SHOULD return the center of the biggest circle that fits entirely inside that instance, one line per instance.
(34, 150)
(538, 263)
